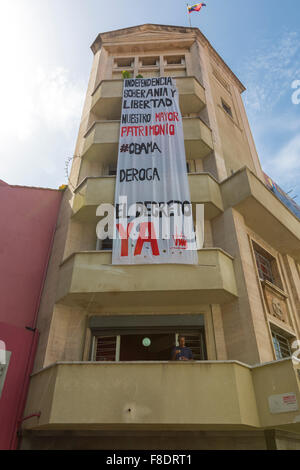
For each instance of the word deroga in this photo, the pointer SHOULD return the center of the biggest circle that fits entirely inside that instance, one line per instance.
(132, 174)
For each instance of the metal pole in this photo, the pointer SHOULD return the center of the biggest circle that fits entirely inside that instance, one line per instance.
(187, 5)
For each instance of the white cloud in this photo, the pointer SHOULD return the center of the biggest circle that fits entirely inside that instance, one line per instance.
(58, 99)
(277, 138)
(39, 122)
(48, 100)
(41, 102)
(270, 71)
(269, 74)
(35, 97)
(284, 166)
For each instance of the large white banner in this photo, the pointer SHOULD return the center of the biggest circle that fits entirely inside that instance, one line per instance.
(153, 222)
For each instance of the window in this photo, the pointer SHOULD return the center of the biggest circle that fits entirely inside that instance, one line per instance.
(149, 61)
(267, 266)
(147, 345)
(174, 66)
(105, 245)
(112, 171)
(190, 166)
(124, 62)
(227, 108)
(174, 60)
(264, 267)
(106, 348)
(197, 345)
(281, 345)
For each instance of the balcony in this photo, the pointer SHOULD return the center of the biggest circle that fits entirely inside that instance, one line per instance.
(222, 396)
(101, 140)
(107, 98)
(89, 280)
(266, 215)
(96, 190)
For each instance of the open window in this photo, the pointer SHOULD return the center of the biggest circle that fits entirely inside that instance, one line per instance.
(174, 60)
(174, 66)
(266, 266)
(149, 61)
(227, 108)
(143, 343)
(122, 62)
(104, 245)
(112, 170)
(148, 346)
(282, 342)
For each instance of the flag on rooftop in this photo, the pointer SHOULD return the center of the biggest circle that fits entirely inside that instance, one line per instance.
(196, 7)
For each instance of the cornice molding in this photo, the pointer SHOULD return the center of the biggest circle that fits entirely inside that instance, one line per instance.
(110, 37)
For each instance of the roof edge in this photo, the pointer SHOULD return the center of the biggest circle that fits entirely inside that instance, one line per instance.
(97, 44)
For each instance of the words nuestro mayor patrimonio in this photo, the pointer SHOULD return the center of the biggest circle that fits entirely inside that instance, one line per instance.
(152, 188)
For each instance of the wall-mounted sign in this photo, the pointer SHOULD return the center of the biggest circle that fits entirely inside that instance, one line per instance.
(146, 342)
(283, 403)
(154, 222)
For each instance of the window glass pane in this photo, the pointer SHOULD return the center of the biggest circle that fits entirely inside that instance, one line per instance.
(281, 346)
(227, 108)
(277, 348)
(264, 267)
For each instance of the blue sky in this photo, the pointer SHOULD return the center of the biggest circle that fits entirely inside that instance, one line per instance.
(46, 59)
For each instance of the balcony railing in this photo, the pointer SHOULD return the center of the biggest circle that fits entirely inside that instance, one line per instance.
(97, 190)
(263, 212)
(90, 275)
(107, 98)
(102, 139)
(165, 396)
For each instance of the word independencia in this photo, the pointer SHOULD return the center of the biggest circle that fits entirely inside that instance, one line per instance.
(146, 82)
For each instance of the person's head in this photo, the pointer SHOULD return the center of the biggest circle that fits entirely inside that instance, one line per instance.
(181, 340)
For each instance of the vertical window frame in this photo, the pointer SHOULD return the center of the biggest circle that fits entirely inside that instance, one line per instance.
(281, 345)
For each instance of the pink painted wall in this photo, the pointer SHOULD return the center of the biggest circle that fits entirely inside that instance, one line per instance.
(22, 344)
(28, 220)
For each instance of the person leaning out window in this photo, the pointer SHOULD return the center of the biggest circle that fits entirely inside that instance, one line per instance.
(182, 352)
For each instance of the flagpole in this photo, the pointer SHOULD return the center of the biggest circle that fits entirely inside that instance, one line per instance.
(189, 15)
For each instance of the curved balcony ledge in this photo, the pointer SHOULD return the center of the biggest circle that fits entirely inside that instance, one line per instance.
(107, 97)
(223, 396)
(96, 190)
(89, 279)
(264, 213)
(102, 139)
